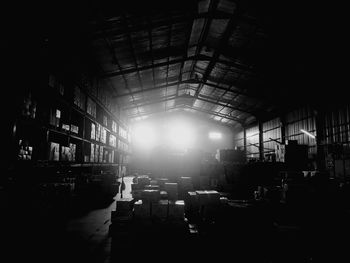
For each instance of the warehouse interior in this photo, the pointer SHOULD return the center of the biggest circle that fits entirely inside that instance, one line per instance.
(173, 130)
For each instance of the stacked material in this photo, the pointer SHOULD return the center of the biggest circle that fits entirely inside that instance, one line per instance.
(123, 210)
(203, 198)
(176, 209)
(191, 205)
(159, 209)
(152, 187)
(136, 189)
(186, 184)
(150, 195)
(209, 203)
(223, 200)
(214, 197)
(135, 186)
(171, 189)
(163, 195)
(142, 210)
(122, 216)
(153, 182)
(162, 182)
(208, 197)
(143, 180)
(124, 204)
(137, 194)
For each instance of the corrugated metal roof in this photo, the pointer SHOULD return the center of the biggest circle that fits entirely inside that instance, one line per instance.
(207, 49)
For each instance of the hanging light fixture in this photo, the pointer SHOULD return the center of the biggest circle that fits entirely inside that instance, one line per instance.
(308, 133)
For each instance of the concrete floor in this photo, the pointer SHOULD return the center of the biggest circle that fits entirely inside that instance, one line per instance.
(52, 237)
(27, 235)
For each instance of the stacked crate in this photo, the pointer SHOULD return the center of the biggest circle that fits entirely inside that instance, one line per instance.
(172, 190)
(209, 204)
(122, 217)
(185, 185)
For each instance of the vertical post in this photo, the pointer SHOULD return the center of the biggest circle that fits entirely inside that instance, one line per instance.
(283, 129)
(320, 124)
(261, 141)
(245, 141)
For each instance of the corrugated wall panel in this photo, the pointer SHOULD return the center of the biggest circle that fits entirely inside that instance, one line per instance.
(239, 140)
(337, 126)
(271, 130)
(303, 118)
(253, 142)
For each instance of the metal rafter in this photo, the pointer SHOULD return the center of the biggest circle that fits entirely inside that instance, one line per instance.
(182, 107)
(172, 97)
(239, 77)
(167, 68)
(175, 61)
(188, 37)
(115, 60)
(220, 98)
(216, 114)
(132, 116)
(216, 14)
(218, 83)
(228, 32)
(128, 34)
(150, 102)
(189, 81)
(151, 48)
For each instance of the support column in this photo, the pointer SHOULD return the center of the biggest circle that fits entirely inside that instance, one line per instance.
(320, 124)
(261, 141)
(283, 129)
(245, 142)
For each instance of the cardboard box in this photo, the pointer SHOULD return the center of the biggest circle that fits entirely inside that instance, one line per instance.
(214, 197)
(142, 210)
(92, 153)
(74, 129)
(150, 195)
(223, 200)
(160, 209)
(100, 156)
(135, 187)
(121, 216)
(54, 151)
(124, 204)
(65, 154)
(66, 127)
(136, 194)
(203, 198)
(163, 195)
(191, 201)
(73, 150)
(93, 131)
(162, 181)
(143, 180)
(176, 209)
(97, 151)
(154, 182)
(152, 187)
(171, 189)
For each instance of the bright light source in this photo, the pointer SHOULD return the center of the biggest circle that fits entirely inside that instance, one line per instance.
(215, 135)
(144, 136)
(307, 133)
(180, 136)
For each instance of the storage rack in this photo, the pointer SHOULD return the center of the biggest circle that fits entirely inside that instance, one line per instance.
(53, 109)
